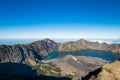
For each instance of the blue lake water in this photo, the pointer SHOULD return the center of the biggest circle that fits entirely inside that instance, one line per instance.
(89, 53)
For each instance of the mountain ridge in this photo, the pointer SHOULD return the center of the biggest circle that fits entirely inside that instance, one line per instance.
(22, 52)
(75, 67)
(37, 50)
(84, 44)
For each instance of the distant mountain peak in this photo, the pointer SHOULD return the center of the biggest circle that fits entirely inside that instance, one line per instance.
(47, 39)
(82, 40)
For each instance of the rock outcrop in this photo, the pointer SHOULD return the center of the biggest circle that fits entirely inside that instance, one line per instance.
(76, 67)
(110, 71)
(83, 44)
(34, 51)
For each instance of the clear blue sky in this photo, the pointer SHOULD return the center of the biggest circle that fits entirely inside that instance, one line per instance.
(59, 18)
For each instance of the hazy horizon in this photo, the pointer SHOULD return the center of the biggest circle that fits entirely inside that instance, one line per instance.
(25, 41)
(60, 19)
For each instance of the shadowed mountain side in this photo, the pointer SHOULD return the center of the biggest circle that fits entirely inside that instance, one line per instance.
(41, 77)
(16, 71)
(37, 50)
(110, 71)
(92, 75)
(34, 51)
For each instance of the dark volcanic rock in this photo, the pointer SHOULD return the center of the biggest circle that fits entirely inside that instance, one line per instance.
(24, 52)
(35, 51)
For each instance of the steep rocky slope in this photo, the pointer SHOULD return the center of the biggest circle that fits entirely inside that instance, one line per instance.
(83, 44)
(27, 52)
(110, 71)
(35, 51)
(74, 67)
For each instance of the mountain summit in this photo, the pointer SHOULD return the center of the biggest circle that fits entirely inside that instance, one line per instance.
(34, 51)
(37, 50)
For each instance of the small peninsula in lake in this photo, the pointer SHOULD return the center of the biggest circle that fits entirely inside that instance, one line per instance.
(59, 39)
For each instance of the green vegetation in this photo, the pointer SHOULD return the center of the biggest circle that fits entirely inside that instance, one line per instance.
(50, 69)
(47, 69)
